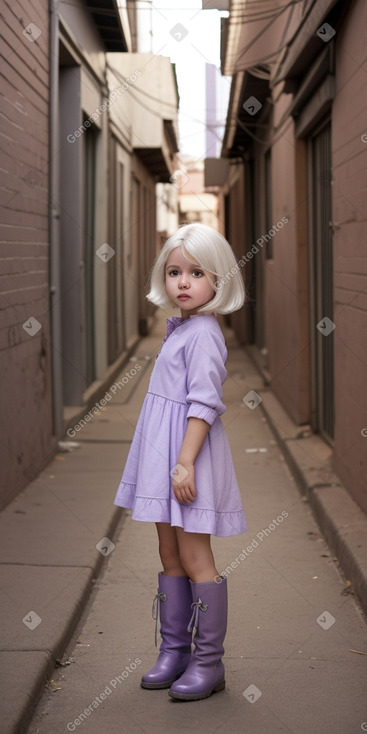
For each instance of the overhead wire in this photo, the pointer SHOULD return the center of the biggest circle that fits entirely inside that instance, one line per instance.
(255, 72)
(245, 3)
(137, 89)
(173, 106)
(262, 31)
(261, 15)
(156, 99)
(193, 119)
(238, 15)
(246, 20)
(258, 35)
(258, 140)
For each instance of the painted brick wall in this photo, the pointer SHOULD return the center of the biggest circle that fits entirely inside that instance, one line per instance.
(26, 414)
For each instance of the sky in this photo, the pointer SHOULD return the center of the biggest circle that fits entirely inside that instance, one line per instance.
(190, 36)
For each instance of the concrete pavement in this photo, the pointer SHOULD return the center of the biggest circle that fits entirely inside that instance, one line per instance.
(298, 674)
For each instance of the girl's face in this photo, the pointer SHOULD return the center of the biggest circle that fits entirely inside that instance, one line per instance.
(188, 285)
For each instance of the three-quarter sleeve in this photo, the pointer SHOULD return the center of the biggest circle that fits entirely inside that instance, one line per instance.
(205, 357)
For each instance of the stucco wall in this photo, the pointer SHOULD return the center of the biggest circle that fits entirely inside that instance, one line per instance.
(349, 155)
(286, 279)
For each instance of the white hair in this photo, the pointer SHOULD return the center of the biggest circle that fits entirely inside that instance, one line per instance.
(214, 254)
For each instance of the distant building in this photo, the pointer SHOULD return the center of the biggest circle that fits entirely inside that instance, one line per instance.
(196, 204)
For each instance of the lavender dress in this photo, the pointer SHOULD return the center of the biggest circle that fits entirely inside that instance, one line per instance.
(186, 381)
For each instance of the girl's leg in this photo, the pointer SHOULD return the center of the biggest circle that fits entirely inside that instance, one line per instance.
(173, 608)
(169, 551)
(196, 555)
(205, 672)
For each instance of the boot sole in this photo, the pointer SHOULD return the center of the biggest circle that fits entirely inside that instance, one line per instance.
(165, 684)
(197, 696)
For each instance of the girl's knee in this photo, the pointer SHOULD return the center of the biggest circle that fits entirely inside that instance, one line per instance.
(191, 561)
(169, 557)
(195, 558)
(168, 548)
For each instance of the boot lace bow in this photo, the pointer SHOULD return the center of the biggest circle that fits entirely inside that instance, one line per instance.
(194, 621)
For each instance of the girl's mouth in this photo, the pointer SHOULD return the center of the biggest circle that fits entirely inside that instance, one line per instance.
(183, 297)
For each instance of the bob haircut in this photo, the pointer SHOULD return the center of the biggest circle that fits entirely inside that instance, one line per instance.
(213, 254)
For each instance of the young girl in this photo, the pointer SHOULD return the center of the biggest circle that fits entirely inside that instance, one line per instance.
(179, 471)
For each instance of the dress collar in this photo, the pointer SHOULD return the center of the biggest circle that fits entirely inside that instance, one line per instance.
(175, 321)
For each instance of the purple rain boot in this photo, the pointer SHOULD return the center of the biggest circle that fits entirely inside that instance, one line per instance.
(205, 673)
(173, 602)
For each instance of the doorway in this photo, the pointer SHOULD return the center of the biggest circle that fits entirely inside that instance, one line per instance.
(321, 281)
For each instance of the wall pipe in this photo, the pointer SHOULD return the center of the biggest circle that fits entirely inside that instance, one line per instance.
(54, 226)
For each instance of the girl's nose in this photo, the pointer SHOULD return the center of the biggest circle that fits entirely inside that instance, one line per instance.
(184, 281)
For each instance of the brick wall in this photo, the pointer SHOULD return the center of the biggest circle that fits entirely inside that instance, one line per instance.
(26, 414)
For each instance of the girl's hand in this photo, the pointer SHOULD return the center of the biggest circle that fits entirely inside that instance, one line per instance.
(183, 483)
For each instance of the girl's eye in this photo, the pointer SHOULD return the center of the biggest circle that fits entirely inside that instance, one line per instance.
(196, 273)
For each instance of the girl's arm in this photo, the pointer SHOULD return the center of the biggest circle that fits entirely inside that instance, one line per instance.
(205, 355)
(184, 484)
(196, 432)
